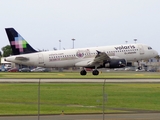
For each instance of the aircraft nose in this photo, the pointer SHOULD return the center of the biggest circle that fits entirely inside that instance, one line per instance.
(155, 53)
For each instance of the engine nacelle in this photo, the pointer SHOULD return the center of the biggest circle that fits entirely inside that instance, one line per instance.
(115, 63)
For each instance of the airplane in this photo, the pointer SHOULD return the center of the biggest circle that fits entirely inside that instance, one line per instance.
(115, 56)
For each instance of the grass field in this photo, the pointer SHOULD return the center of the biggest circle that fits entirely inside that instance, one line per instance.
(73, 75)
(22, 98)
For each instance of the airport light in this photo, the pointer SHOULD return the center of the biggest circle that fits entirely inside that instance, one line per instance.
(59, 44)
(135, 40)
(73, 42)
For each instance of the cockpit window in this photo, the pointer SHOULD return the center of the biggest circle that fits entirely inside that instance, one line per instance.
(149, 48)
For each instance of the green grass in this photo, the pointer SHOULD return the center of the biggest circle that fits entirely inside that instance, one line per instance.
(22, 98)
(73, 75)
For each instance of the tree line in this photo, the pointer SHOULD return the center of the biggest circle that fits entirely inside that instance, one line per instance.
(6, 51)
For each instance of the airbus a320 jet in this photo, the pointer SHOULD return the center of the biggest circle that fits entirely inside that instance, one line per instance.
(116, 56)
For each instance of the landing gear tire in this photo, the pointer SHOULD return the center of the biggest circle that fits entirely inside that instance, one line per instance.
(83, 72)
(95, 72)
(139, 68)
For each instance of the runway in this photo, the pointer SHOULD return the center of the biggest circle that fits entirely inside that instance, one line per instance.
(142, 116)
(80, 80)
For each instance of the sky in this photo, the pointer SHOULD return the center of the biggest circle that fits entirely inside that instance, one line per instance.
(42, 23)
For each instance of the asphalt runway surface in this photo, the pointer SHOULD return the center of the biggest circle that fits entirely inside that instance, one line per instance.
(131, 116)
(80, 80)
(142, 116)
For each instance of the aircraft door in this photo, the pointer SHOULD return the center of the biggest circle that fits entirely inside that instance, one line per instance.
(40, 59)
(141, 49)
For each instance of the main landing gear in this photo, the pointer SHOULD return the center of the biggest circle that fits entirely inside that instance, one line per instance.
(139, 65)
(94, 72)
(83, 72)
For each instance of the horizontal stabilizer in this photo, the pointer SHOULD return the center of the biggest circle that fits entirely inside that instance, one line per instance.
(22, 58)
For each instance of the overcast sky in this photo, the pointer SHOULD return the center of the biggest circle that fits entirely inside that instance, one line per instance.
(91, 22)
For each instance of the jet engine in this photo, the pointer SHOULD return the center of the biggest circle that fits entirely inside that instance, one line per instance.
(115, 63)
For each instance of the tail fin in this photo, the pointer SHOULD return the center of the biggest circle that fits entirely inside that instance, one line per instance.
(18, 44)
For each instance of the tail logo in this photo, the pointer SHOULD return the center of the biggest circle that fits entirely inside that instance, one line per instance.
(19, 43)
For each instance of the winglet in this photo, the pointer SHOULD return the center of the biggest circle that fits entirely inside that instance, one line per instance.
(98, 52)
(18, 44)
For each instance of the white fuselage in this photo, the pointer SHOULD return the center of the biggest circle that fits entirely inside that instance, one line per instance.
(69, 58)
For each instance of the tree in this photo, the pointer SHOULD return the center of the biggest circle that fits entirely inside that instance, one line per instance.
(7, 51)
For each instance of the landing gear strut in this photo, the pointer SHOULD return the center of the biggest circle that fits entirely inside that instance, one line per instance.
(139, 66)
(95, 71)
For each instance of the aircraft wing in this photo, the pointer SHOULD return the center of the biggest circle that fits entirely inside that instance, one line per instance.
(100, 58)
(97, 61)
